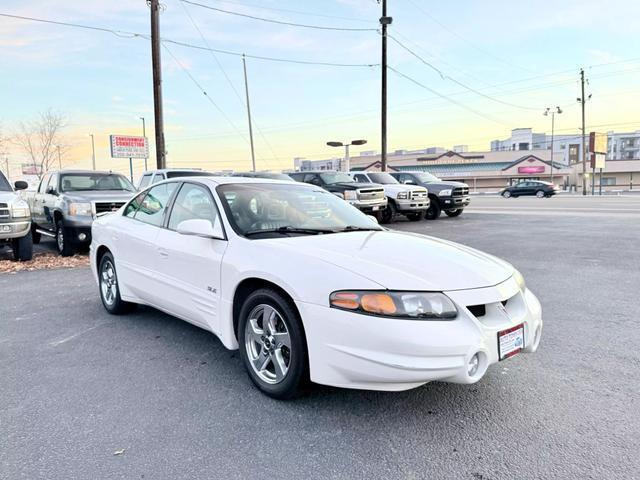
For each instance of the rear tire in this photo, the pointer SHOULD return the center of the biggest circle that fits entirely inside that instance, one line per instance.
(540, 194)
(275, 354)
(22, 248)
(433, 212)
(454, 213)
(35, 235)
(110, 288)
(506, 194)
(63, 240)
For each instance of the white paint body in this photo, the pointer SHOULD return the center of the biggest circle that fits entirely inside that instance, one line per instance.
(196, 279)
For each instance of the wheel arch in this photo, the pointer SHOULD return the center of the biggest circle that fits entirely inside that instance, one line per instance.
(102, 249)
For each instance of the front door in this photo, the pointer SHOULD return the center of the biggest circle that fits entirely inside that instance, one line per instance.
(189, 266)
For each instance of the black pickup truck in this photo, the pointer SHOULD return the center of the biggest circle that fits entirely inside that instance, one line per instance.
(368, 198)
(452, 197)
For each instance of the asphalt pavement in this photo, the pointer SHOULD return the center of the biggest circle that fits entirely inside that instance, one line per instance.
(78, 386)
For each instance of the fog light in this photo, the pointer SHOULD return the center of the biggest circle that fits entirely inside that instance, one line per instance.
(472, 366)
(82, 237)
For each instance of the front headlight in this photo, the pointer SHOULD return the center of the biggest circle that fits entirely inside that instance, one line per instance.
(519, 280)
(350, 195)
(403, 195)
(445, 193)
(20, 209)
(407, 305)
(80, 209)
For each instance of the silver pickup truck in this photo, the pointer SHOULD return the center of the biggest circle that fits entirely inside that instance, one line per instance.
(15, 220)
(66, 203)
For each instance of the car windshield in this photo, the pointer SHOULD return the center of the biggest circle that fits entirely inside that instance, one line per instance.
(258, 210)
(382, 178)
(426, 177)
(4, 184)
(197, 173)
(336, 177)
(81, 182)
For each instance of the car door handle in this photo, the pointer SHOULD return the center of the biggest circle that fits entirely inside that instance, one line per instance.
(163, 253)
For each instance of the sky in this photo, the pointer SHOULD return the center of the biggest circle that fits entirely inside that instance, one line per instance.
(476, 69)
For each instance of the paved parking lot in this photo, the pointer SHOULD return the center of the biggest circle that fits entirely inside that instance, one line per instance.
(78, 385)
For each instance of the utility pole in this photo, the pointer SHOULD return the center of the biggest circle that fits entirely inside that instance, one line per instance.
(584, 146)
(144, 134)
(246, 90)
(161, 160)
(93, 151)
(384, 21)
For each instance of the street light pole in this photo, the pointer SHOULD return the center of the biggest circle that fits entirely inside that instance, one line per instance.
(144, 134)
(557, 110)
(93, 150)
(347, 158)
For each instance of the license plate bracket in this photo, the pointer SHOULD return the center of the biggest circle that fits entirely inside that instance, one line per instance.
(510, 341)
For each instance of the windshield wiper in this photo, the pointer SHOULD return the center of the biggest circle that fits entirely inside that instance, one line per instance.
(353, 228)
(289, 229)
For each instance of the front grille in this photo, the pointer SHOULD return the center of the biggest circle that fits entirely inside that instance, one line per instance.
(4, 210)
(370, 194)
(103, 207)
(460, 191)
(419, 195)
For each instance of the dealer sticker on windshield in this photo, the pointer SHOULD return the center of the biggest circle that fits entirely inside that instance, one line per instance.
(510, 341)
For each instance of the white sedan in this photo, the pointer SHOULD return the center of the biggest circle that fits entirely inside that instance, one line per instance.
(308, 287)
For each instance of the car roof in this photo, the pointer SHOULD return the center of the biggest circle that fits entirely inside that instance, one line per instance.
(164, 170)
(77, 171)
(219, 180)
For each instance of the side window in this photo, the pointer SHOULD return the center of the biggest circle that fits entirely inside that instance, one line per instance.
(52, 186)
(134, 205)
(361, 178)
(152, 208)
(145, 181)
(193, 202)
(43, 184)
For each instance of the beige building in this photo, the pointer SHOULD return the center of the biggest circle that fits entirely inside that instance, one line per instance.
(482, 171)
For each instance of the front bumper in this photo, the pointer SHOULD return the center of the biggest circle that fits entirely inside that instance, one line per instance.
(412, 205)
(17, 229)
(454, 203)
(79, 229)
(358, 351)
(370, 207)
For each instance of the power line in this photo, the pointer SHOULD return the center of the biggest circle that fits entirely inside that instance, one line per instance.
(448, 77)
(441, 95)
(279, 22)
(126, 34)
(295, 12)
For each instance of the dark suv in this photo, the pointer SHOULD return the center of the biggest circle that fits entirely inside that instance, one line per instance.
(452, 197)
(368, 198)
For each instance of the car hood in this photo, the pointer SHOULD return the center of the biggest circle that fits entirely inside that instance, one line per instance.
(6, 197)
(402, 261)
(99, 196)
(446, 184)
(395, 188)
(354, 185)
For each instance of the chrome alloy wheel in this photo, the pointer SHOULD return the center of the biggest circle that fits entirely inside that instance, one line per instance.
(108, 282)
(268, 344)
(60, 239)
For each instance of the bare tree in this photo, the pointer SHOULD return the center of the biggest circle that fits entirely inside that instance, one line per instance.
(40, 139)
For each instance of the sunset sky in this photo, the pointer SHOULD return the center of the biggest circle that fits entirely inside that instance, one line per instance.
(523, 56)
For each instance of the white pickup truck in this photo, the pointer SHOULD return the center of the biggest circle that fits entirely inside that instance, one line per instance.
(15, 220)
(407, 200)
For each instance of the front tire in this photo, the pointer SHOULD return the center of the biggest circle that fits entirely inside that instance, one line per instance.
(506, 194)
(22, 248)
(434, 211)
(63, 240)
(540, 194)
(109, 287)
(272, 344)
(389, 213)
(454, 213)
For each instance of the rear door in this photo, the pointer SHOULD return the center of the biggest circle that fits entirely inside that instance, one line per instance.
(189, 266)
(135, 242)
(37, 205)
(49, 199)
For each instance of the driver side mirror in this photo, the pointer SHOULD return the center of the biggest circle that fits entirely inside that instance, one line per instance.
(198, 227)
(21, 185)
(409, 182)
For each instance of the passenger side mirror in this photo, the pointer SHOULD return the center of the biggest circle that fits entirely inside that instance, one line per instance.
(409, 182)
(21, 185)
(51, 191)
(201, 228)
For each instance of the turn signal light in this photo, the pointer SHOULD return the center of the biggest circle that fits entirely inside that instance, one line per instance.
(379, 303)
